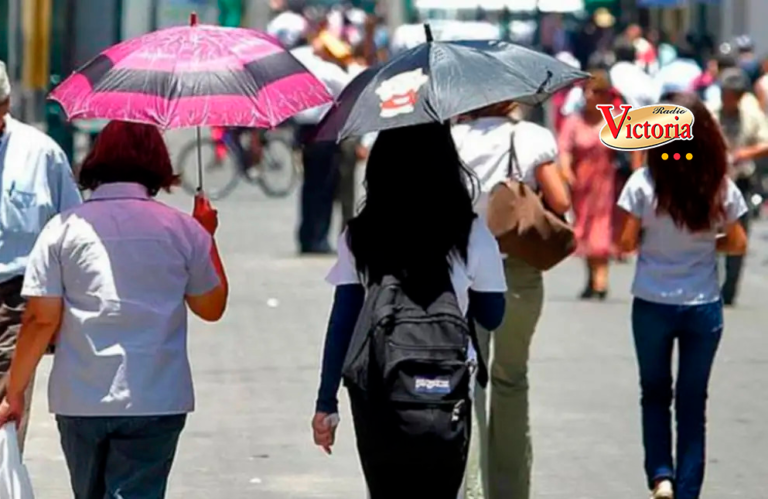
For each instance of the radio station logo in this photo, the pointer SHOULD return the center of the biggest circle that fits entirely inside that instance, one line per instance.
(644, 127)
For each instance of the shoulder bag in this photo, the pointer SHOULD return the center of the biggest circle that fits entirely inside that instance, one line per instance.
(524, 227)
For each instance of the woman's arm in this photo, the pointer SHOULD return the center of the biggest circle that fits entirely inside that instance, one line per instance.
(629, 232)
(347, 304)
(565, 147)
(735, 240)
(553, 188)
(487, 309)
(212, 305)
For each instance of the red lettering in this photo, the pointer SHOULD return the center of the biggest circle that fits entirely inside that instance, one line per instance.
(647, 133)
(657, 129)
(606, 109)
(686, 132)
(638, 135)
(668, 126)
(629, 131)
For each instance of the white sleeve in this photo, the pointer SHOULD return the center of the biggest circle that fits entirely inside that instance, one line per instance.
(735, 205)
(44, 276)
(344, 270)
(632, 198)
(486, 268)
(534, 146)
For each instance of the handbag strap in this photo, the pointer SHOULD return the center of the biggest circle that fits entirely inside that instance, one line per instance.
(514, 164)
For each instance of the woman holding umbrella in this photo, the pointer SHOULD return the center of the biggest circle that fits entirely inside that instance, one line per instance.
(109, 283)
(419, 219)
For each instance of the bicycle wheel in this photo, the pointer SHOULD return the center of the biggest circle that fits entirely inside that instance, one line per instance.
(220, 177)
(278, 174)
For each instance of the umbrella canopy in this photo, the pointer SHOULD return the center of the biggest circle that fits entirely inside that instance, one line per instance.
(437, 81)
(192, 76)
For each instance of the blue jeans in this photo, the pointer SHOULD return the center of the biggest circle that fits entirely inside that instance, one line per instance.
(120, 457)
(697, 329)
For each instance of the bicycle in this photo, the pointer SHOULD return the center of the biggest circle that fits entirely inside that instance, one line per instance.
(278, 159)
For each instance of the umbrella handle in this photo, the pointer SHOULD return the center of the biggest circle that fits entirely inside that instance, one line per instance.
(199, 161)
(428, 32)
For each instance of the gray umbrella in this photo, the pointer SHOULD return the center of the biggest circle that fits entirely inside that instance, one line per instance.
(437, 81)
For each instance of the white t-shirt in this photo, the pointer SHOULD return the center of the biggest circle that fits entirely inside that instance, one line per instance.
(674, 266)
(483, 271)
(635, 85)
(484, 145)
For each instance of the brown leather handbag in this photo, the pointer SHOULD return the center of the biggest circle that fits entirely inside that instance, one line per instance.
(524, 227)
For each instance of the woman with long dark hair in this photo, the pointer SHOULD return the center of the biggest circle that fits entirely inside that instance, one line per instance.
(688, 210)
(418, 225)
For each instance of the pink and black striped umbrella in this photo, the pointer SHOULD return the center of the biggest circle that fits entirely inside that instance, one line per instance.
(193, 76)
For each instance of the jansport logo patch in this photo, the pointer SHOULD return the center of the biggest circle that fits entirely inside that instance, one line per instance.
(433, 385)
(399, 94)
(644, 127)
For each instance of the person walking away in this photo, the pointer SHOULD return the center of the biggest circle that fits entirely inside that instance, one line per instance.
(748, 60)
(746, 133)
(36, 183)
(421, 240)
(590, 170)
(489, 144)
(109, 282)
(320, 159)
(634, 84)
(680, 75)
(676, 293)
(646, 55)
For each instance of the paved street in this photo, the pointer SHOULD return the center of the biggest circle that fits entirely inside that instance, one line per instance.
(256, 375)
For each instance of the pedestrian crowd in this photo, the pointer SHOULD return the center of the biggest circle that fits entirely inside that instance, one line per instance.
(434, 313)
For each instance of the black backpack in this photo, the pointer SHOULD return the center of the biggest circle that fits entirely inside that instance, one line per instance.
(408, 375)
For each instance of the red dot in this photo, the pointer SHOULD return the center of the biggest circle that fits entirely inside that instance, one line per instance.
(677, 156)
(677, 117)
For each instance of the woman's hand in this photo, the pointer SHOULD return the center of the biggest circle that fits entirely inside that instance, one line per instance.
(205, 214)
(11, 409)
(324, 430)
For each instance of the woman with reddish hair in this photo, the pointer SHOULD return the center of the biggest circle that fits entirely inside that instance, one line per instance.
(590, 169)
(109, 283)
(688, 210)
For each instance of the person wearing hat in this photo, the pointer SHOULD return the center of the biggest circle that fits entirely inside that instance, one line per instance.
(745, 129)
(36, 183)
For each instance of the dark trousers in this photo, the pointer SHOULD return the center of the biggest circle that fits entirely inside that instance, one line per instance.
(697, 329)
(402, 466)
(120, 457)
(734, 264)
(12, 306)
(321, 173)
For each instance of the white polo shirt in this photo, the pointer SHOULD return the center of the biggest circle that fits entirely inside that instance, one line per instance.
(123, 263)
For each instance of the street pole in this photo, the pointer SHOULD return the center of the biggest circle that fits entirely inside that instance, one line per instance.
(13, 39)
(154, 15)
(61, 64)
